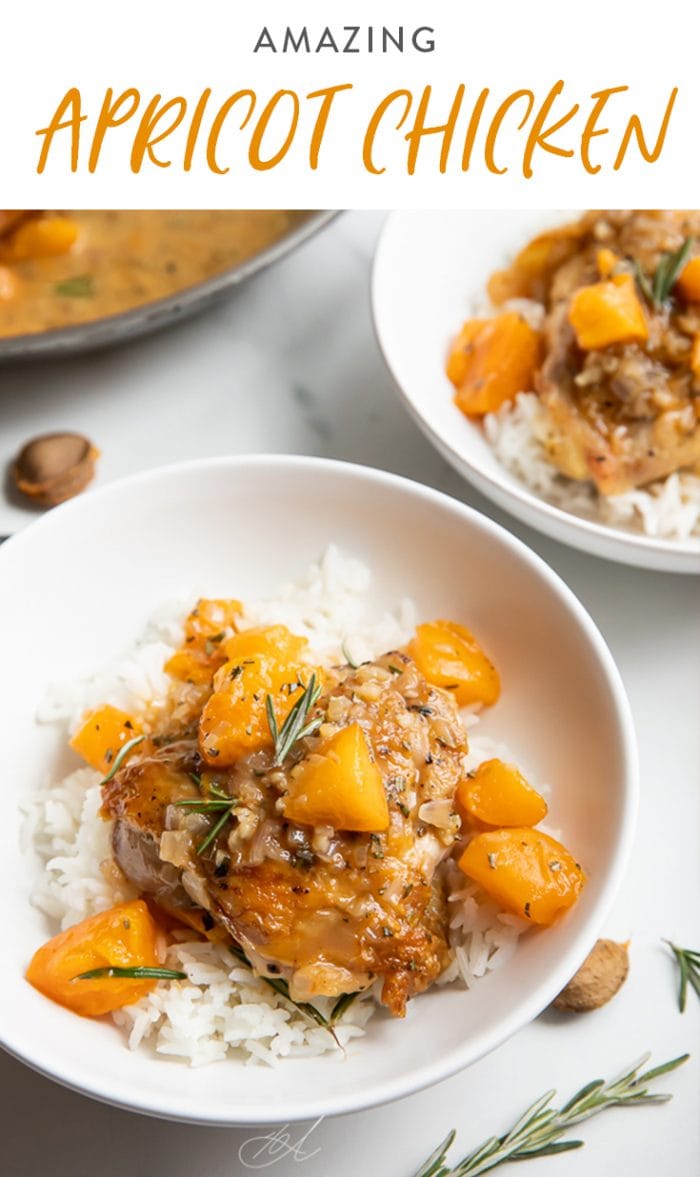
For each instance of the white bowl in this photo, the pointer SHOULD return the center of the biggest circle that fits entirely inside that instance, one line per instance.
(430, 274)
(76, 588)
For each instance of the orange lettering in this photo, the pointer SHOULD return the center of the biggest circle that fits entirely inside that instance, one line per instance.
(590, 130)
(373, 127)
(71, 101)
(419, 129)
(254, 156)
(472, 129)
(109, 117)
(144, 141)
(496, 123)
(635, 127)
(221, 116)
(322, 119)
(538, 135)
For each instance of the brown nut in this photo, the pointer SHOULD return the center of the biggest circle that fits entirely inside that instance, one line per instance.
(602, 973)
(54, 467)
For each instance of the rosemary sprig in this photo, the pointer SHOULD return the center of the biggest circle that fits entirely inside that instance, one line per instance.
(657, 292)
(341, 1006)
(689, 964)
(217, 801)
(295, 726)
(537, 1133)
(199, 805)
(138, 973)
(120, 758)
(216, 828)
(310, 1011)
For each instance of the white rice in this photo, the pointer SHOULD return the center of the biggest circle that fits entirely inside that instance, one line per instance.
(223, 1009)
(667, 509)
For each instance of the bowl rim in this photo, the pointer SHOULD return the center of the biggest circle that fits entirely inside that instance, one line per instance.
(133, 322)
(607, 541)
(432, 1071)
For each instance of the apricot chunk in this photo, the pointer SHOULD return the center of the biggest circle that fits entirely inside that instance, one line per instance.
(450, 657)
(608, 312)
(497, 794)
(9, 284)
(689, 280)
(42, 237)
(207, 627)
(606, 260)
(102, 735)
(491, 361)
(234, 719)
(525, 871)
(275, 641)
(122, 937)
(340, 786)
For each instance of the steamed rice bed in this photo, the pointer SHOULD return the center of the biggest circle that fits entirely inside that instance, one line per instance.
(223, 1008)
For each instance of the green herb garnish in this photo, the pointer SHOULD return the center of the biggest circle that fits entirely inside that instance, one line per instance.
(216, 829)
(295, 726)
(341, 1006)
(346, 655)
(137, 973)
(281, 987)
(657, 292)
(537, 1133)
(82, 286)
(217, 802)
(121, 757)
(689, 964)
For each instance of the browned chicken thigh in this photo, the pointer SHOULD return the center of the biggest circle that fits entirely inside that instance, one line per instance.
(329, 910)
(622, 413)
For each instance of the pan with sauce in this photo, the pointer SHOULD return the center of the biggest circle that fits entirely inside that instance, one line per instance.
(59, 271)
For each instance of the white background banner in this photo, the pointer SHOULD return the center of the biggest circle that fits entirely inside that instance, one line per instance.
(168, 104)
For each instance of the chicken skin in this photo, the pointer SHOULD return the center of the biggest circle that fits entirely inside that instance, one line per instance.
(330, 910)
(625, 413)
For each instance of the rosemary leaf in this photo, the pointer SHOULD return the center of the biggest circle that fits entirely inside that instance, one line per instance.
(82, 286)
(669, 270)
(658, 291)
(537, 1133)
(346, 655)
(643, 283)
(435, 1164)
(280, 986)
(341, 1006)
(216, 801)
(295, 726)
(216, 828)
(137, 973)
(218, 793)
(688, 960)
(200, 805)
(272, 720)
(120, 758)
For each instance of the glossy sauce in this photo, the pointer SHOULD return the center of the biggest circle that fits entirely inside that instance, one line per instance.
(123, 259)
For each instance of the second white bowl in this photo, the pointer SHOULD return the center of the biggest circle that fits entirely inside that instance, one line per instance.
(430, 273)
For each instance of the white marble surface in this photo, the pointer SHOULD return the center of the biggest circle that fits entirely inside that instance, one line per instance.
(291, 364)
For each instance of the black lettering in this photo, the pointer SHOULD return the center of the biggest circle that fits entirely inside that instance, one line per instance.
(301, 42)
(265, 41)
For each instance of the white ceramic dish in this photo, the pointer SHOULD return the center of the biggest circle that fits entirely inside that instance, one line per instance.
(430, 274)
(76, 588)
